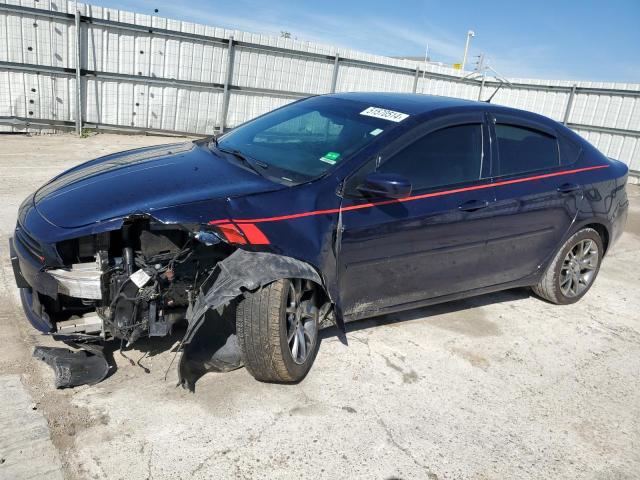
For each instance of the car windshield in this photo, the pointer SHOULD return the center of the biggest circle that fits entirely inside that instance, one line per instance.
(303, 141)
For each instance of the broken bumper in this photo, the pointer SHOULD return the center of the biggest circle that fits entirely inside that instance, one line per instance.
(30, 279)
(28, 271)
(34, 312)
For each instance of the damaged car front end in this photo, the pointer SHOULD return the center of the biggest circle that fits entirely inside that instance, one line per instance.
(77, 246)
(88, 272)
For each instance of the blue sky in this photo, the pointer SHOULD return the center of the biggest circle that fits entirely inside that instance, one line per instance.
(576, 40)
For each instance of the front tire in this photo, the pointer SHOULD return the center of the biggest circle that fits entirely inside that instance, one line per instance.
(573, 270)
(277, 329)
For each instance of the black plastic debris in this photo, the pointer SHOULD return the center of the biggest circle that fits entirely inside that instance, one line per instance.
(71, 369)
(215, 349)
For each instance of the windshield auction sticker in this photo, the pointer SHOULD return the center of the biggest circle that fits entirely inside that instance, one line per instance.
(330, 158)
(384, 114)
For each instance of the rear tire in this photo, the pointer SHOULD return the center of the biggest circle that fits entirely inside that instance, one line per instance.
(277, 329)
(573, 270)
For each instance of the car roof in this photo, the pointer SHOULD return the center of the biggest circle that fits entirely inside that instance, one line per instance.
(411, 103)
(416, 104)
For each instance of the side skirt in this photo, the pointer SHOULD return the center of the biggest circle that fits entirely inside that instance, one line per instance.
(524, 282)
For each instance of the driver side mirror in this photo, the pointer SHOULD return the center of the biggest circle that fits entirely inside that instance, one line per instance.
(386, 185)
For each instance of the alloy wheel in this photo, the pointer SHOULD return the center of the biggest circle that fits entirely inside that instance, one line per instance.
(579, 268)
(301, 319)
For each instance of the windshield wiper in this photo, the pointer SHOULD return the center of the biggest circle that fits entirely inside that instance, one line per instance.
(213, 141)
(238, 154)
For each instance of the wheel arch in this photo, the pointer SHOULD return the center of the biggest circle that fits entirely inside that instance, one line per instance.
(599, 225)
(603, 231)
(241, 271)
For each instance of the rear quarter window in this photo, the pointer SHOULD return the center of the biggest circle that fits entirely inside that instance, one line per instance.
(569, 151)
(523, 150)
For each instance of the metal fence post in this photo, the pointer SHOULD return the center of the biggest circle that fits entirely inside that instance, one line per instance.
(334, 79)
(481, 88)
(78, 74)
(415, 80)
(226, 93)
(567, 110)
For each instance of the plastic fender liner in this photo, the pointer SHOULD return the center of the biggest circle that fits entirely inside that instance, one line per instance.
(240, 271)
(87, 366)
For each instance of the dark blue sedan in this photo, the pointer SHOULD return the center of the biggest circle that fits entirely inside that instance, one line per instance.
(330, 209)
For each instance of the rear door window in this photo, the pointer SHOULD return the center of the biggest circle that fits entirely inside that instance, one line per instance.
(523, 149)
(445, 157)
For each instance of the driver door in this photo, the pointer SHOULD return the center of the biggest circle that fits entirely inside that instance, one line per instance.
(432, 243)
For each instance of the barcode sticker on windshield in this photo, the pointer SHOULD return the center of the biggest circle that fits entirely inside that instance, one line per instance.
(384, 114)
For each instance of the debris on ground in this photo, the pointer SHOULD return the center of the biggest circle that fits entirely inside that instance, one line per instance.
(72, 369)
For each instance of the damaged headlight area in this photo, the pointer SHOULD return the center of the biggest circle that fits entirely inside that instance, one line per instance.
(139, 280)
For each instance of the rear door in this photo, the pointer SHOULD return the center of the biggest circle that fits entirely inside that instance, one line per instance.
(432, 243)
(536, 200)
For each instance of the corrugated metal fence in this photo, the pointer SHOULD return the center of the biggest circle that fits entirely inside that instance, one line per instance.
(147, 73)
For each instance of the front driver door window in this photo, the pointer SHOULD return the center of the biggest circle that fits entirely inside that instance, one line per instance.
(448, 156)
(401, 253)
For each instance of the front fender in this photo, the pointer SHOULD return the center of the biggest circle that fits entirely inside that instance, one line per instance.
(239, 272)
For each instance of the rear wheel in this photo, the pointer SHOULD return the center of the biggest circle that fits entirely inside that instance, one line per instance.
(277, 328)
(573, 270)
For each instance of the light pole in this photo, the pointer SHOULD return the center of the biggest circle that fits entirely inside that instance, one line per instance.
(470, 34)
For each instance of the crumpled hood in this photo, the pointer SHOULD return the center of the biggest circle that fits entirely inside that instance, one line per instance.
(141, 181)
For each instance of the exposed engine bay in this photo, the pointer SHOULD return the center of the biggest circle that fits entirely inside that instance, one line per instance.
(139, 280)
(144, 278)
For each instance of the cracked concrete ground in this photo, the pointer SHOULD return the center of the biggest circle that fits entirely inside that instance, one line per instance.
(498, 386)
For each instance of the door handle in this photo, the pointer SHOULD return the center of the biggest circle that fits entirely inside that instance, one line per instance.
(568, 188)
(473, 205)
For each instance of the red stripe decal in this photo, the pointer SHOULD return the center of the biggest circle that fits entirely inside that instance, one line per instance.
(360, 206)
(253, 234)
(232, 234)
